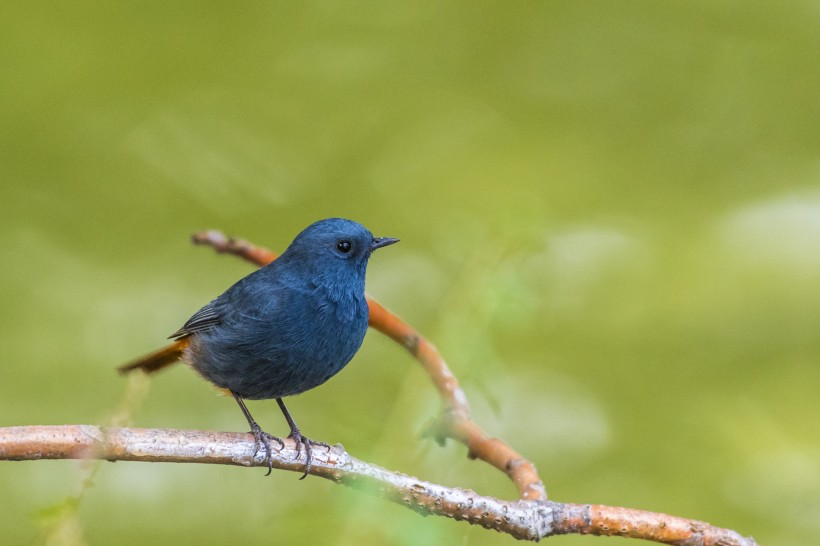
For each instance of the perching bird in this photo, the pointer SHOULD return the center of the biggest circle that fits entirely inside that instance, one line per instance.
(285, 328)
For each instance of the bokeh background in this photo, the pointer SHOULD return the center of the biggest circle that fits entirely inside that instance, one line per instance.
(610, 224)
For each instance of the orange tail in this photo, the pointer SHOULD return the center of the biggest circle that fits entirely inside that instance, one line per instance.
(157, 360)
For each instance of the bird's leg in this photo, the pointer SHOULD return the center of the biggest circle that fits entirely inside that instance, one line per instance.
(299, 439)
(261, 437)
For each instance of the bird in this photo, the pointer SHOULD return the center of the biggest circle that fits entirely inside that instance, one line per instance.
(284, 329)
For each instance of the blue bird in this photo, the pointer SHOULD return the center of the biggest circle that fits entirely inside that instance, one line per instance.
(284, 329)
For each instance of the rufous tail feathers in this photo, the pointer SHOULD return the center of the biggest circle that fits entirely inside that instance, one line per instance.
(157, 360)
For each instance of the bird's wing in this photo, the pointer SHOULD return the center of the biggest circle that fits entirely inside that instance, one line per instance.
(202, 319)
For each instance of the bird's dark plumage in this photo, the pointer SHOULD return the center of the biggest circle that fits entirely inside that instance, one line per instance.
(287, 327)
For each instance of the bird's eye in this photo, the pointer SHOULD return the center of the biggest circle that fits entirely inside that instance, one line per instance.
(343, 246)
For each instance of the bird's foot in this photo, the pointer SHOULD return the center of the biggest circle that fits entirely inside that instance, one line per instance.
(262, 438)
(308, 444)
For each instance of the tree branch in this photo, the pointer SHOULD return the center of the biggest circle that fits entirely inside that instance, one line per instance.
(531, 518)
(527, 520)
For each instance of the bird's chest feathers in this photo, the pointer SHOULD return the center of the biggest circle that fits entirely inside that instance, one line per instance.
(337, 303)
(328, 320)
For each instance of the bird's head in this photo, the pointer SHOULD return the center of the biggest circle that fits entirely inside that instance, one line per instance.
(337, 244)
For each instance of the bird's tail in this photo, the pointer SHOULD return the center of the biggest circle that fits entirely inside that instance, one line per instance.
(157, 360)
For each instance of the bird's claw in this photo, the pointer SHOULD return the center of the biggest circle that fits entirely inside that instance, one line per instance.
(262, 438)
(306, 443)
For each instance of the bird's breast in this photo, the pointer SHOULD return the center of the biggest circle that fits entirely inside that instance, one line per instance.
(294, 346)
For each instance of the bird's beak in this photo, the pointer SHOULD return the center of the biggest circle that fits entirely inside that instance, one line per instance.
(379, 242)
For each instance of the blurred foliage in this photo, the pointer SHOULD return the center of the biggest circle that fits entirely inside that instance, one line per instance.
(610, 223)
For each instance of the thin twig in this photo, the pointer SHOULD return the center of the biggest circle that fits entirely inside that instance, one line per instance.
(532, 518)
(526, 520)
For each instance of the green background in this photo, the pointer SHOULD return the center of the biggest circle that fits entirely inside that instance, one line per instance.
(610, 224)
